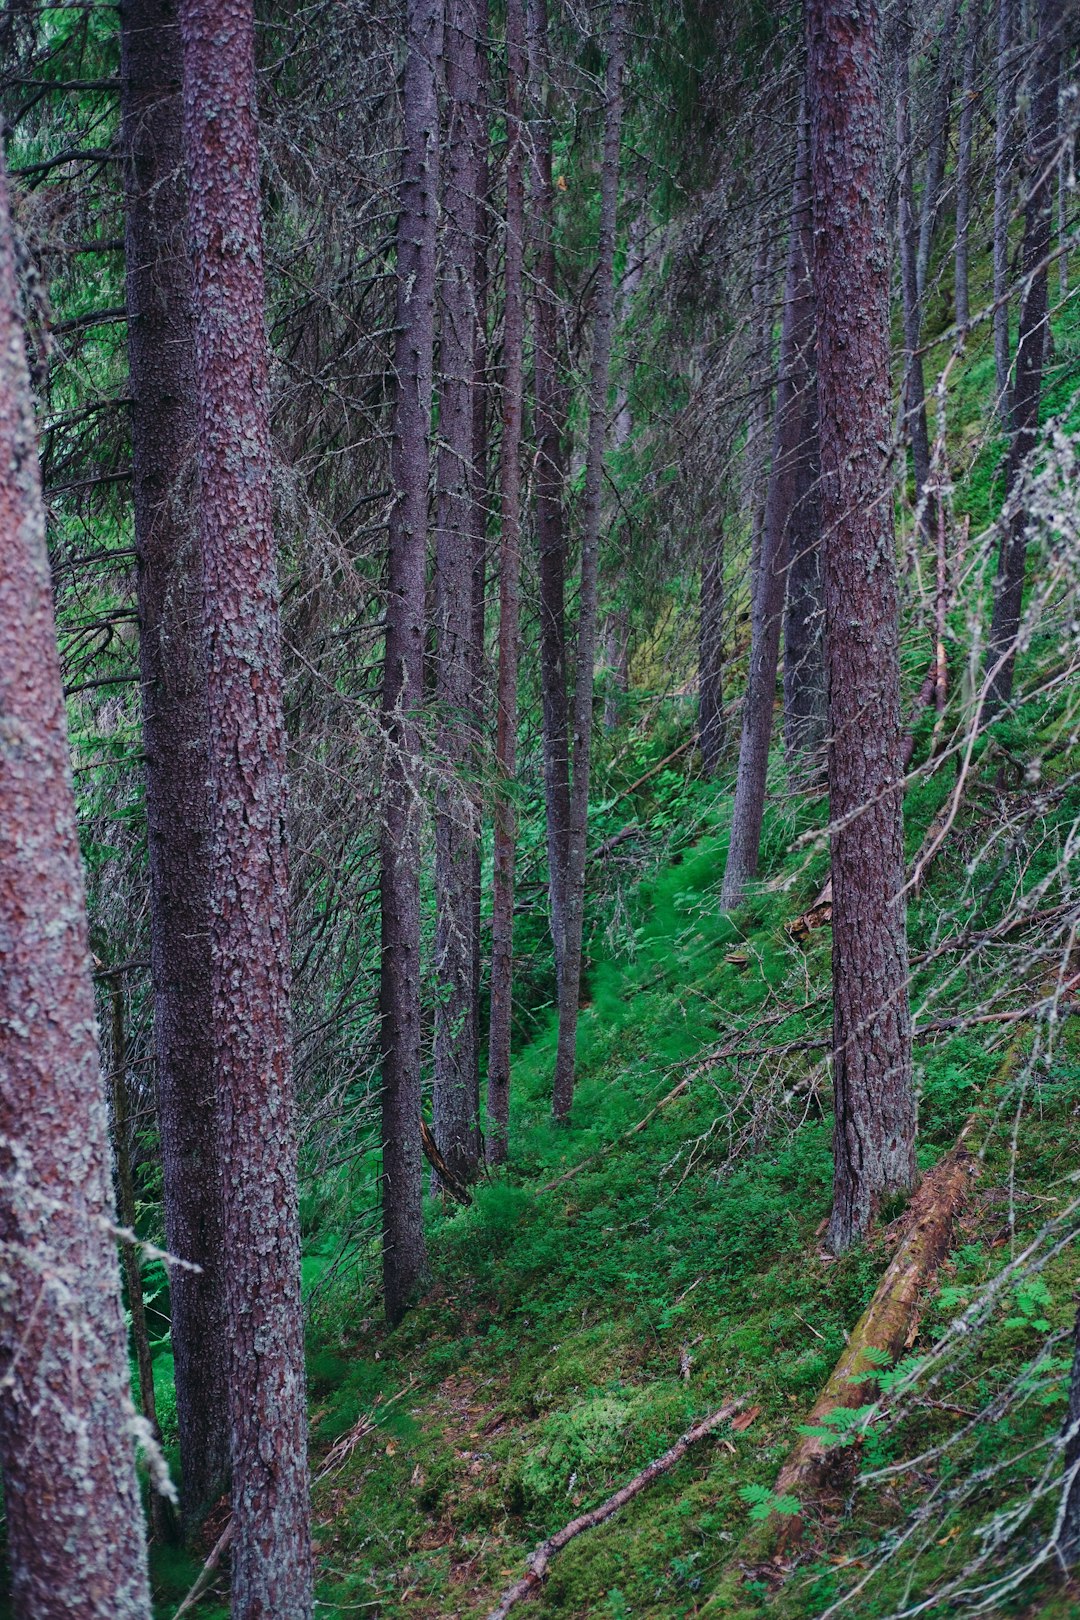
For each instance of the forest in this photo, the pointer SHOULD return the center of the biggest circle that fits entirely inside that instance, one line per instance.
(539, 809)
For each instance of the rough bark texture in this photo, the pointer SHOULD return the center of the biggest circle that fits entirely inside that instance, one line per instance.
(75, 1538)
(603, 324)
(1003, 122)
(914, 381)
(711, 727)
(1030, 352)
(874, 1136)
(793, 381)
(1069, 1533)
(965, 133)
(249, 880)
(161, 363)
(502, 911)
(804, 611)
(617, 625)
(550, 412)
(456, 1098)
(399, 998)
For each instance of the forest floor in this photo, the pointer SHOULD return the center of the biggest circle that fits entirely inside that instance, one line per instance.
(618, 1284)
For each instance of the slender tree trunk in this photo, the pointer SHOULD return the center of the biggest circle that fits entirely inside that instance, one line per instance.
(161, 1513)
(456, 1100)
(75, 1540)
(1003, 145)
(1031, 343)
(403, 677)
(965, 136)
(768, 584)
(914, 385)
(711, 728)
(161, 362)
(249, 880)
(874, 1136)
(603, 325)
(549, 479)
(934, 173)
(617, 626)
(1069, 1534)
(502, 915)
(1063, 209)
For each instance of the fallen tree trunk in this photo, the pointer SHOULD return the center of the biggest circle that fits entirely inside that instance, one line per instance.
(886, 1328)
(448, 1181)
(537, 1562)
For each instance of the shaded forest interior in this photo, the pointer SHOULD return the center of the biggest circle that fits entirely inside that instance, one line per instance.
(539, 809)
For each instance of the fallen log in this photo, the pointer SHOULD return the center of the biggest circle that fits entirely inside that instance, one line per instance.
(538, 1561)
(449, 1182)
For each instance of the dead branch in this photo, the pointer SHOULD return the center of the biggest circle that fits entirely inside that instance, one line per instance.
(537, 1562)
(448, 1180)
(568, 1175)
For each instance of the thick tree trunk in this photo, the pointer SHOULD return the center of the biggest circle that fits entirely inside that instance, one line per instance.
(914, 383)
(711, 728)
(456, 1098)
(249, 879)
(403, 676)
(549, 479)
(804, 611)
(502, 913)
(1030, 353)
(1003, 161)
(603, 325)
(75, 1541)
(796, 337)
(965, 137)
(874, 1136)
(161, 362)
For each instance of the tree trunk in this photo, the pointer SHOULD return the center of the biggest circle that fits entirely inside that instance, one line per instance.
(502, 915)
(804, 611)
(617, 627)
(874, 1135)
(161, 363)
(249, 880)
(403, 677)
(75, 1541)
(1003, 147)
(768, 584)
(549, 478)
(934, 173)
(968, 97)
(603, 324)
(711, 728)
(456, 1098)
(1069, 1532)
(1030, 353)
(161, 1513)
(914, 384)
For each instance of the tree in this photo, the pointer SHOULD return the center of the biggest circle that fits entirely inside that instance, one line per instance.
(550, 416)
(914, 393)
(770, 577)
(403, 670)
(603, 324)
(711, 727)
(161, 363)
(804, 615)
(249, 881)
(1031, 341)
(75, 1536)
(502, 911)
(1003, 168)
(964, 143)
(874, 1133)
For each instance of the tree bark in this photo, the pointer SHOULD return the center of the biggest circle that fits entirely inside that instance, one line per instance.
(1003, 126)
(249, 880)
(603, 324)
(456, 1097)
(75, 1538)
(804, 610)
(550, 411)
(770, 577)
(403, 677)
(617, 626)
(161, 362)
(965, 135)
(502, 914)
(914, 383)
(1030, 354)
(1069, 1532)
(874, 1135)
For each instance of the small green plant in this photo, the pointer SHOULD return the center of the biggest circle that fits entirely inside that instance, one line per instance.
(763, 1502)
